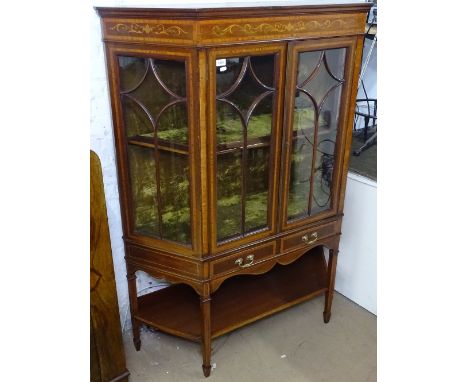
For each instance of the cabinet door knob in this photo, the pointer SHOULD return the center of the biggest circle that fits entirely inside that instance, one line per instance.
(240, 261)
(310, 239)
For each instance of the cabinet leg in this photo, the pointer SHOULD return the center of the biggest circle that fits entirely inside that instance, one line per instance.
(332, 257)
(132, 295)
(136, 335)
(205, 307)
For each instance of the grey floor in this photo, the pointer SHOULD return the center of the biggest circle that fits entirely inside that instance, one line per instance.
(366, 163)
(294, 345)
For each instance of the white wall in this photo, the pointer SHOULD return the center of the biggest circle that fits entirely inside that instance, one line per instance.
(103, 144)
(356, 275)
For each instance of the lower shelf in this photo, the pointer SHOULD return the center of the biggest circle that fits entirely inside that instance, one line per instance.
(239, 301)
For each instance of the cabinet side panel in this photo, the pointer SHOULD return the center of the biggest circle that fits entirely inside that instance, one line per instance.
(349, 123)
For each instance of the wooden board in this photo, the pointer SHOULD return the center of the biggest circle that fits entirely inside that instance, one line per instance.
(239, 301)
(107, 353)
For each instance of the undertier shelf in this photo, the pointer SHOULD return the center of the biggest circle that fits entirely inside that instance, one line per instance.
(239, 301)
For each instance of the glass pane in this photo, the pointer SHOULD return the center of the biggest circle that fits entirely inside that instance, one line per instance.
(172, 125)
(143, 186)
(309, 63)
(246, 92)
(229, 195)
(326, 140)
(228, 126)
(299, 183)
(245, 101)
(171, 74)
(315, 126)
(132, 72)
(150, 95)
(227, 72)
(259, 127)
(175, 204)
(148, 88)
(322, 81)
(256, 202)
(153, 95)
(136, 120)
(263, 67)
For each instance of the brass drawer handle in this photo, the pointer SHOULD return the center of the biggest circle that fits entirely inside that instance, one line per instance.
(240, 260)
(310, 239)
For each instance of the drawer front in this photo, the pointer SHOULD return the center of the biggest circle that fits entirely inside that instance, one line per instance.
(308, 237)
(163, 262)
(242, 260)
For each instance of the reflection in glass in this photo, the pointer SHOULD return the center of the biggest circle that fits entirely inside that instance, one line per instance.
(154, 104)
(245, 100)
(229, 125)
(315, 126)
(175, 203)
(132, 72)
(229, 206)
(256, 188)
(143, 185)
(173, 125)
(301, 164)
(137, 122)
(150, 85)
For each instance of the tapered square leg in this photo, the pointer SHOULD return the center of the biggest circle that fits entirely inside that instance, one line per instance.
(205, 307)
(136, 335)
(332, 257)
(132, 295)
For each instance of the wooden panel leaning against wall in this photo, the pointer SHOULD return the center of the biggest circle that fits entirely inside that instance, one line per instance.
(107, 353)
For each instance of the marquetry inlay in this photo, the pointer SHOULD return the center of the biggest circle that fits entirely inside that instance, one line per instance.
(255, 29)
(299, 26)
(155, 29)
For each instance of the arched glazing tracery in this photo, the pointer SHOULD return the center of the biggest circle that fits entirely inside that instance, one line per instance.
(316, 113)
(245, 100)
(154, 103)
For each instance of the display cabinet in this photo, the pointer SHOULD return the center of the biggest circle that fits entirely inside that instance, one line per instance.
(232, 130)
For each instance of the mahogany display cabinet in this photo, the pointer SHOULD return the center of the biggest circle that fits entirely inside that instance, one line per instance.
(232, 131)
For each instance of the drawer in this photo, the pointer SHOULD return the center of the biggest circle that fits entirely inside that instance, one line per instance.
(159, 260)
(308, 237)
(242, 260)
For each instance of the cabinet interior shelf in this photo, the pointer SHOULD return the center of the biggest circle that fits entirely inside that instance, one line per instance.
(252, 143)
(148, 141)
(239, 301)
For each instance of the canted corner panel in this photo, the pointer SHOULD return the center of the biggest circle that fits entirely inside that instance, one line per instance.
(148, 30)
(287, 27)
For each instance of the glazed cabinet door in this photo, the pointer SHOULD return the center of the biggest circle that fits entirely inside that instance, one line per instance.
(153, 99)
(316, 120)
(245, 94)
